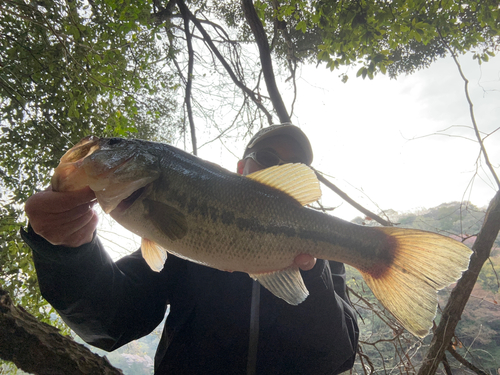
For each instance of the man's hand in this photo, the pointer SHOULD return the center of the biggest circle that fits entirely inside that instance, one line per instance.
(305, 262)
(63, 218)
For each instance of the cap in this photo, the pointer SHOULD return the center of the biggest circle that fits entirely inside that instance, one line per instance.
(284, 129)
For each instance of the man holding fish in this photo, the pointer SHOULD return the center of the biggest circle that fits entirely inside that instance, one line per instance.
(219, 322)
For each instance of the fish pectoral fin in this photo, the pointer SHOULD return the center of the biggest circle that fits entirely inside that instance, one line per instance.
(154, 255)
(297, 180)
(286, 284)
(166, 219)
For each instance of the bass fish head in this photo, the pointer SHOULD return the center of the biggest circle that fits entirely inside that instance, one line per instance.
(114, 168)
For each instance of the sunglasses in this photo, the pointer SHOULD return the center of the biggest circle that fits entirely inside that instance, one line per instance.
(265, 158)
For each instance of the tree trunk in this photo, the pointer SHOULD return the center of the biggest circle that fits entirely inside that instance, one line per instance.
(39, 348)
(265, 59)
(460, 294)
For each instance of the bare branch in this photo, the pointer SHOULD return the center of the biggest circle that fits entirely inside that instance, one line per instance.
(349, 200)
(208, 40)
(189, 82)
(464, 362)
(446, 365)
(265, 59)
(471, 110)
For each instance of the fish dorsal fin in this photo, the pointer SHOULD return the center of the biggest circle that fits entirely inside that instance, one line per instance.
(286, 284)
(154, 255)
(297, 180)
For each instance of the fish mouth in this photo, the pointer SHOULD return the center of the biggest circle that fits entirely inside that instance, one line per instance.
(130, 200)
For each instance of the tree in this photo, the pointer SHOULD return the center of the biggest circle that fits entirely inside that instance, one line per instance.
(45, 351)
(71, 68)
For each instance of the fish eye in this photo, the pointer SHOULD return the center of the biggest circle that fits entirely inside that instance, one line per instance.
(114, 141)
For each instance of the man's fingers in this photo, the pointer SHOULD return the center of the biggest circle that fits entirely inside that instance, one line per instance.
(83, 235)
(76, 232)
(305, 262)
(70, 215)
(77, 224)
(63, 218)
(49, 201)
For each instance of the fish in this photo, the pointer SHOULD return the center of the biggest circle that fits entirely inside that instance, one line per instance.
(257, 224)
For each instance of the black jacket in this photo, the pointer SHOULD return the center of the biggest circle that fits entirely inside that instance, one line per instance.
(109, 304)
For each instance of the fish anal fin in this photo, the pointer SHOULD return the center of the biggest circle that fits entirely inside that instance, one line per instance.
(286, 284)
(154, 255)
(166, 219)
(422, 264)
(297, 180)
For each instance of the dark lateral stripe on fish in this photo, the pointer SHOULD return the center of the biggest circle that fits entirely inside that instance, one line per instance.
(387, 244)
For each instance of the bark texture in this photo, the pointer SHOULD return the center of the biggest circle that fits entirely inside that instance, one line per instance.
(39, 348)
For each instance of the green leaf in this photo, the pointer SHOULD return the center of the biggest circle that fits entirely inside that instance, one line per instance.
(301, 26)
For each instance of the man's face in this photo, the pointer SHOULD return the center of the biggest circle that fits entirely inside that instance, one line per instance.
(285, 147)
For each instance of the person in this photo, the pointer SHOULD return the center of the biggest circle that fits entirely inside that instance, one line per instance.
(219, 322)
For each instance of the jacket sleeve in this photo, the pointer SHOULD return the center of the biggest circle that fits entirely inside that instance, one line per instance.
(327, 285)
(106, 303)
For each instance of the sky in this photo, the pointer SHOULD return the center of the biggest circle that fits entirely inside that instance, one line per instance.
(402, 144)
(405, 144)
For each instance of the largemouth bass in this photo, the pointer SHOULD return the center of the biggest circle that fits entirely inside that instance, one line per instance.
(256, 224)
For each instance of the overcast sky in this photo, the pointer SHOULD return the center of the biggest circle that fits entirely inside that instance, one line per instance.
(402, 144)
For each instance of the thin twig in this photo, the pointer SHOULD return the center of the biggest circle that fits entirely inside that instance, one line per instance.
(471, 109)
(447, 367)
(349, 200)
(464, 362)
(208, 40)
(189, 83)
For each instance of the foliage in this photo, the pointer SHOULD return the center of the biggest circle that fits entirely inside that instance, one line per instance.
(68, 69)
(396, 36)
(135, 358)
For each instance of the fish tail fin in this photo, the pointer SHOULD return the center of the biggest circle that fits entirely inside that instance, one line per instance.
(422, 264)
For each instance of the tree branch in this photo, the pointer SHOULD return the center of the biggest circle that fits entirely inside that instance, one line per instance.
(349, 200)
(461, 293)
(210, 43)
(471, 110)
(446, 365)
(464, 362)
(39, 348)
(265, 59)
(164, 14)
(189, 82)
